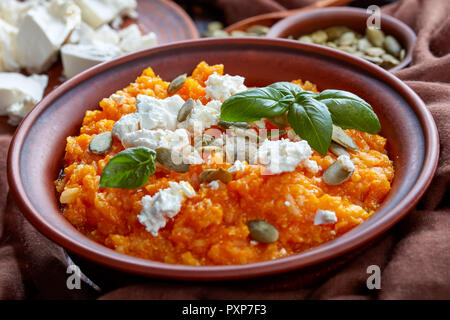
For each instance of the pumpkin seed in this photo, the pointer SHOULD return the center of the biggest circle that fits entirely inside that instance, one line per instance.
(164, 157)
(306, 39)
(185, 110)
(376, 60)
(375, 52)
(209, 175)
(258, 29)
(209, 148)
(219, 34)
(228, 124)
(262, 231)
(392, 46)
(177, 83)
(280, 121)
(375, 36)
(402, 54)
(389, 61)
(347, 39)
(215, 25)
(337, 149)
(336, 174)
(319, 37)
(339, 136)
(239, 33)
(101, 143)
(363, 44)
(334, 33)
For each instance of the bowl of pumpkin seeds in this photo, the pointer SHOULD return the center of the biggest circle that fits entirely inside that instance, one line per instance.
(388, 44)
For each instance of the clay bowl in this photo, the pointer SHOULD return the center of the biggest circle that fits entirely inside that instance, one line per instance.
(37, 150)
(354, 18)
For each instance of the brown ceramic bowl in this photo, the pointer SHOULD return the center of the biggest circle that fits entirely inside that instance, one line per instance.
(354, 18)
(37, 150)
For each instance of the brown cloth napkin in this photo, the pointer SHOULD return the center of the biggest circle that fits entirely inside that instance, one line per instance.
(414, 256)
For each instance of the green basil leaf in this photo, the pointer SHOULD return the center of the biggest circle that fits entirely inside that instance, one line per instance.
(311, 121)
(129, 169)
(350, 111)
(254, 104)
(287, 88)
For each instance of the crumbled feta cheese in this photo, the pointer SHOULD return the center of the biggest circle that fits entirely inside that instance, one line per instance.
(283, 251)
(42, 31)
(237, 166)
(213, 185)
(287, 203)
(159, 113)
(175, 140)
(346, 163)
(132, 40)
(333, 232)
(284, 155)
(222, 87)
(8, 34)
(19, 94)
(164, 205)
(324, 217)
(100, 12)
(78, 57)
(202, 116)
(126, 124)
(253, 242)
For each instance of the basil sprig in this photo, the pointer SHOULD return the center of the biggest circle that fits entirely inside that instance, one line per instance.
(129, 169)
(311, 115)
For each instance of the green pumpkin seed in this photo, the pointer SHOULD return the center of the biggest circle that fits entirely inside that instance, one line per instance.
(209, 175)
(280, 121)
(389, 61)
(334, 33)
(375, 36)
(101, 143)
(375, 52)
(258, 29)
(185, 110)
(228, 124)
(337, 149)
(164, 157)
(319, 37)
(177, 83)
(306, 39)
(347, 39)
(402, 54)
(238, 33)
(215, 25)
(392, 46)
(336, 174)
(339, 136)
(219, 34)
(262, 231)
(203, 140)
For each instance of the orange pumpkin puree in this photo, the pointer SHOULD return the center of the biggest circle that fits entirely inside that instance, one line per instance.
(211, 228)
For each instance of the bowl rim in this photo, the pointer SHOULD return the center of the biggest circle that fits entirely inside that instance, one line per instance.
(278, 28)
(110, 258)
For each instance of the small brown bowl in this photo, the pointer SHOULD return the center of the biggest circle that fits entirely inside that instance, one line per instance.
(37, 150)
(353, 18)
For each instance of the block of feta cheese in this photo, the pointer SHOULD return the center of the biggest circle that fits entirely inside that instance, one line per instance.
(84, 34)
(175, 140)
(99, 12)
(19, 94)
(131, 39)
(325, 217)
(159, 113)
(78, 57)
(202, 116)
(284, 155)
(8, 35)
(164, 205)
(42, 31)
(12, 11)
(222, 87)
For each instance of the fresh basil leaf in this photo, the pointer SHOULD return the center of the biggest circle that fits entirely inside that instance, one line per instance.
(350, 111)
(254, 104)
(287, 88)
(311, 121)
(129, 169)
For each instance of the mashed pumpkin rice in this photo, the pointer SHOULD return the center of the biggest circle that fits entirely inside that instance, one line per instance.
(211, 227)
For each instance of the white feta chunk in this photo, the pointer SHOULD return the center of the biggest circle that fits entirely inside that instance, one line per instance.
(164, 205)
(126, 124)
(79, 57)
(222, 87)
(284, 155)
(325, 217)
(132, 40)
(175, 140)
(8, 35)
(237, 166)
(19, 94)
(213, 185)
(346, 163)
(202, 116)
(42, 31)
(100, 12)
(159, 113)
(12, 11)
